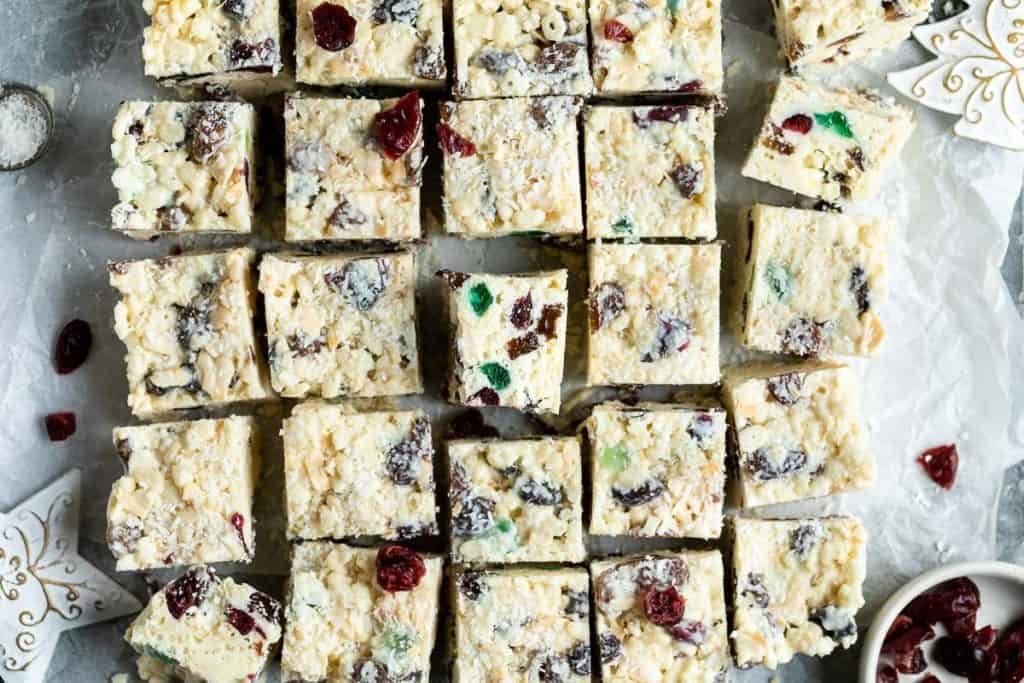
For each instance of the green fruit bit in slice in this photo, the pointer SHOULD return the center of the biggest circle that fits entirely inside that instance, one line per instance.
(503, 535)
(780, 280)
(623, 225)
(615, 458)
(392, 645)
(497, 375)
(673, 5)
(480, 298)
(835, 121)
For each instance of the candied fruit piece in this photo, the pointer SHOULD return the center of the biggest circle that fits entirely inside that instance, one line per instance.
(940, 463)
(617, 31)
(453, 143)
(60, 426)
(395, 129)
(798, 123)
(399, 569)
(334, 28)
(73, 344)
(663, 607)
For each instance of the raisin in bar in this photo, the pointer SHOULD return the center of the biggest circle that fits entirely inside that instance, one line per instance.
(661, 617)
(186, 495)
(825, 143)
(511, 48)
(656, 470)
(830, 33)
(350, 474)
(657, 46)
(511, 166)
(187, 323)
(508, 339)
(342, 325)
(204, 628)
(360, 614)
(198, 41)
(798, 586)
(812, 282)
(345, 177)
(521, 624)
(650, 172)
(370, 42)
(183, 167)
(654, 315)
(516, 501)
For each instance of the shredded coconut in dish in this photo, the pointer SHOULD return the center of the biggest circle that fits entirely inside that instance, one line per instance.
(22, 128)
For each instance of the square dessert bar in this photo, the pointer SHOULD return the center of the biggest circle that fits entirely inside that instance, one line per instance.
(186, 495)
(183, 167)
(370, 42)
(812, 282)
(798, 586)
(349, 474)
(511, 166)
(342, 325)
(360, 614)
(187, 322)
(200, 40)
(657, 46)
(521, 624)
(657, 470)
(830, 34)
(828, 143)
(511, 48)
(654, 315)
(342, 183)
(516, 501)
(798, 431)
(650, 172)
(508, 339)
(204, 628)
(661, 617)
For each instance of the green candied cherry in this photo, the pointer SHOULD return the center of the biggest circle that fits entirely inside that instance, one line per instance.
(391, 647)
(503, 535)
(615, 458)
(497, 375)
(480, 298)
(835, 121)
(673, 6)
(624, 226)
(780, 280)
(160, 656)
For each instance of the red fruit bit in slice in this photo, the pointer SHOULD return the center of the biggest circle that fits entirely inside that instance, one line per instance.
(798, 123)
(238, 521)
(887, 674)
(664, 607)
(242, 621)
(453, 143)
(941, 464)
(187, 591)
(395, 129)
(398, 568)
(485, 397)
(691, 86)
(59, 426)
(334, 28)
(73, 344)
(617, 31)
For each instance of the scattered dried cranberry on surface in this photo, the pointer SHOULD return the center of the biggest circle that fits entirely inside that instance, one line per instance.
(453, 143)
(617, 31)
(887, 674)
(664, 607)
(395, 129)
(798, 123)
(73, 344)
(522, 312)
(941, 464)
(59, 426)
(666, 114)
(398, 568)
(334, 28)
(187, 591)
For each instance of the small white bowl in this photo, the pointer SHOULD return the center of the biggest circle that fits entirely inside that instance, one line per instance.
(1001, 585)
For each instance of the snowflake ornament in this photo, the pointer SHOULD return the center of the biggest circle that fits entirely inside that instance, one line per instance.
(978, 72)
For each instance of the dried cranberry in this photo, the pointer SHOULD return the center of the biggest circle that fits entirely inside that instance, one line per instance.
(404, 459)
(610, 647)
(904, 635)
(236, 9)
(617, 31)
(912, 662)
(539, 492)
(691, 86)
(802, 337)
(688, 631)
(663, 607)
(687, 180)
(671, 336)
(861, 290)
(702, 427)
(941, 464)
(347, 215)
(334, 28)
(60, 426)
(475, 517)
(579, 659)
(803, 538)
(887, 674)
(405, 11)
(522, 312)
(242, 621)
(242, 52)
(965, 656)
(238, 522)
(171, 218)
(662, 572)
(1008, 655)
(577, 603)
(267, 607)
(558, 58)
(453, 143)
(762, 468)
(775, 138)
(362, 282)
(207, 131)
(498, 62)
(550, 668)
(428, 62)
(547, 325)
(398, 568)
(471, 585)
(638, 495)
(947, 602)
(188, 590)
(471, 424)
(607, 302)
(520, 346)
(73, 344)
(756, 591)
(667, 114)
(301, 345)
(485, 397)
(396, 129)
(798, 123)
(786, 388)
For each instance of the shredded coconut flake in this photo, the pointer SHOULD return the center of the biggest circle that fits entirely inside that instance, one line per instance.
(22, 129)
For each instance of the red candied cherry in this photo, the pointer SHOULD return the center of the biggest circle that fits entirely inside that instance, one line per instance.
(73, 344)
(398, 568)
(798, 123)
(617, 31)
(60, 426)
(453, 143)
(395, 129)
(941, 464)
(334, 28)
(664, 607)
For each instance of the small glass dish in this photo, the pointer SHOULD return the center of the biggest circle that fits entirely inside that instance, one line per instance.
(42, 106)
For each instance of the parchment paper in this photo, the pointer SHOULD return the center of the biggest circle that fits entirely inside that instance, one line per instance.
(946, 372)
